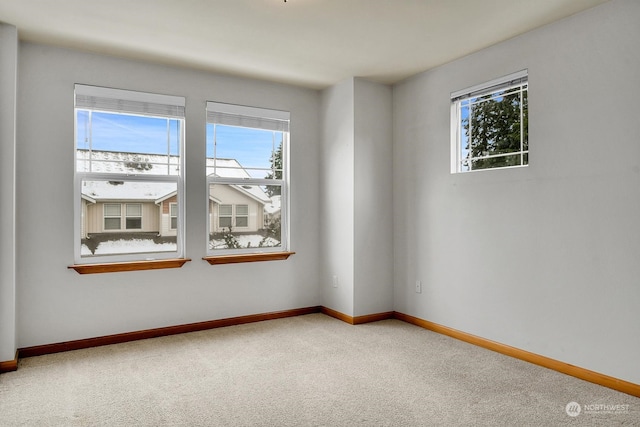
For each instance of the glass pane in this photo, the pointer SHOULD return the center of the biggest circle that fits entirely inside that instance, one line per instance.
(257, 217)
(134, 223)
(491, 125)
(147, 232)
(134, 209)
(237, 152)
(174, 209)
(112, 223)
(174, 222)
(225, 210)
(124, 143)
(497, 162)
(112, 209)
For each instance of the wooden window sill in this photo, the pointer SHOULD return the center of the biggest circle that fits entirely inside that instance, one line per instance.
(233, 259)
(112, 267)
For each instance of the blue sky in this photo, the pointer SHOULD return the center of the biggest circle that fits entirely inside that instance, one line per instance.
(252, 148)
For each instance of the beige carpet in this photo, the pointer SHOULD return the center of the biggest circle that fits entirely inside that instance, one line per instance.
(304, 371)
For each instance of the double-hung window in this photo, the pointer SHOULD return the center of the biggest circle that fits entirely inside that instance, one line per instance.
(489, 125)
(247, 179)
(129, 198)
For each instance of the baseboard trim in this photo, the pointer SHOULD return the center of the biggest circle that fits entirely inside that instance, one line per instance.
(562, 367)
(357, 320)
(9, 365)
(536, 359)
(337, 315)
(40, 350)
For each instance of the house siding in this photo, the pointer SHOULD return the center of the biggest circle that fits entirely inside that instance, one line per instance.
(95, 218)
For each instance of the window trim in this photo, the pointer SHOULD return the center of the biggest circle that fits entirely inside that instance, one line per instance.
(518, 79)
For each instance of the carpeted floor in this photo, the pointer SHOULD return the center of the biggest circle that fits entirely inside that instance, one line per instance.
(302, 371)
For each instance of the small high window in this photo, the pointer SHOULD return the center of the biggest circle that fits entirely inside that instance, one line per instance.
(489, 125)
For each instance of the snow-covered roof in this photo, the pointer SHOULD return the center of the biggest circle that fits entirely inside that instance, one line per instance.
(151, 164)
(127, 190)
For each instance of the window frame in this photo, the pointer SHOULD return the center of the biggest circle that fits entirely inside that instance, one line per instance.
(131, 103)
(519, 79)
(252, 118)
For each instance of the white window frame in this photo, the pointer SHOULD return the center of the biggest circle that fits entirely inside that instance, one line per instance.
(229, 216)
(254, 118)
(239, 215)
(106, 216)
(173, 213)
(101, 99)
(515, 80)
(127, 216)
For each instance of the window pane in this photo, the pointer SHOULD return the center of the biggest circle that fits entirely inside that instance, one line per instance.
(237, 152)
(257, 217)
(127, 144)
(112, 223)
(134, 223)
(174, 209)
(112, 209)
(174, 222)
(134, 209)
(226, 210)
(143, 228)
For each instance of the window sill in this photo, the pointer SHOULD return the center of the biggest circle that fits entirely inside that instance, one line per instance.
(113, 267)
(233, 259)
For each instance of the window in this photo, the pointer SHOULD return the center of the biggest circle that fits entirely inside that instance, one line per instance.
(247, 178)
(173, 213)
(225, 213)
(134, 216)
(242, 215)
(129, 163)
(489, 125)
(112, 216)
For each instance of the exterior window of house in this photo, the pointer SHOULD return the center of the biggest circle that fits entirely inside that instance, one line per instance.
(173, 213)
(242, 215)
(225, 215)
(489, 125)
(134, 216)
(247, 177)
(112, 216)
(129, 160)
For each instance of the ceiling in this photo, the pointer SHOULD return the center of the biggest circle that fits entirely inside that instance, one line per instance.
(312, 43)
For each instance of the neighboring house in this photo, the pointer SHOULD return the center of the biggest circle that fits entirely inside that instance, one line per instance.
(151, 207)
(239, 207)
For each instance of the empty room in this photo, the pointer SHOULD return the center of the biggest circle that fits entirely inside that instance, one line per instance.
(319, 212)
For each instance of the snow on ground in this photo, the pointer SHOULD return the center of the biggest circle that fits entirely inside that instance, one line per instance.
(245, 241)
(130, 246)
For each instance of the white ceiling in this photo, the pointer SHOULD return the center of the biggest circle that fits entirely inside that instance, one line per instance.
(313, 43)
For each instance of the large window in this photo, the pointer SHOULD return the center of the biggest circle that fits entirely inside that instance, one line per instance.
(489, 125)
(247, 179)
(129, 175)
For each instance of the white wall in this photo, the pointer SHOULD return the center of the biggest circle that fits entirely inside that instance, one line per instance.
(543, 258)
(356, 197)
(336, 195)
(8, 87)
(373, 201)
(56, 304)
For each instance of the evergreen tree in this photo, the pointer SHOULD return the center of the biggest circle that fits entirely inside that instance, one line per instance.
(493, 127)
(276, 171)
